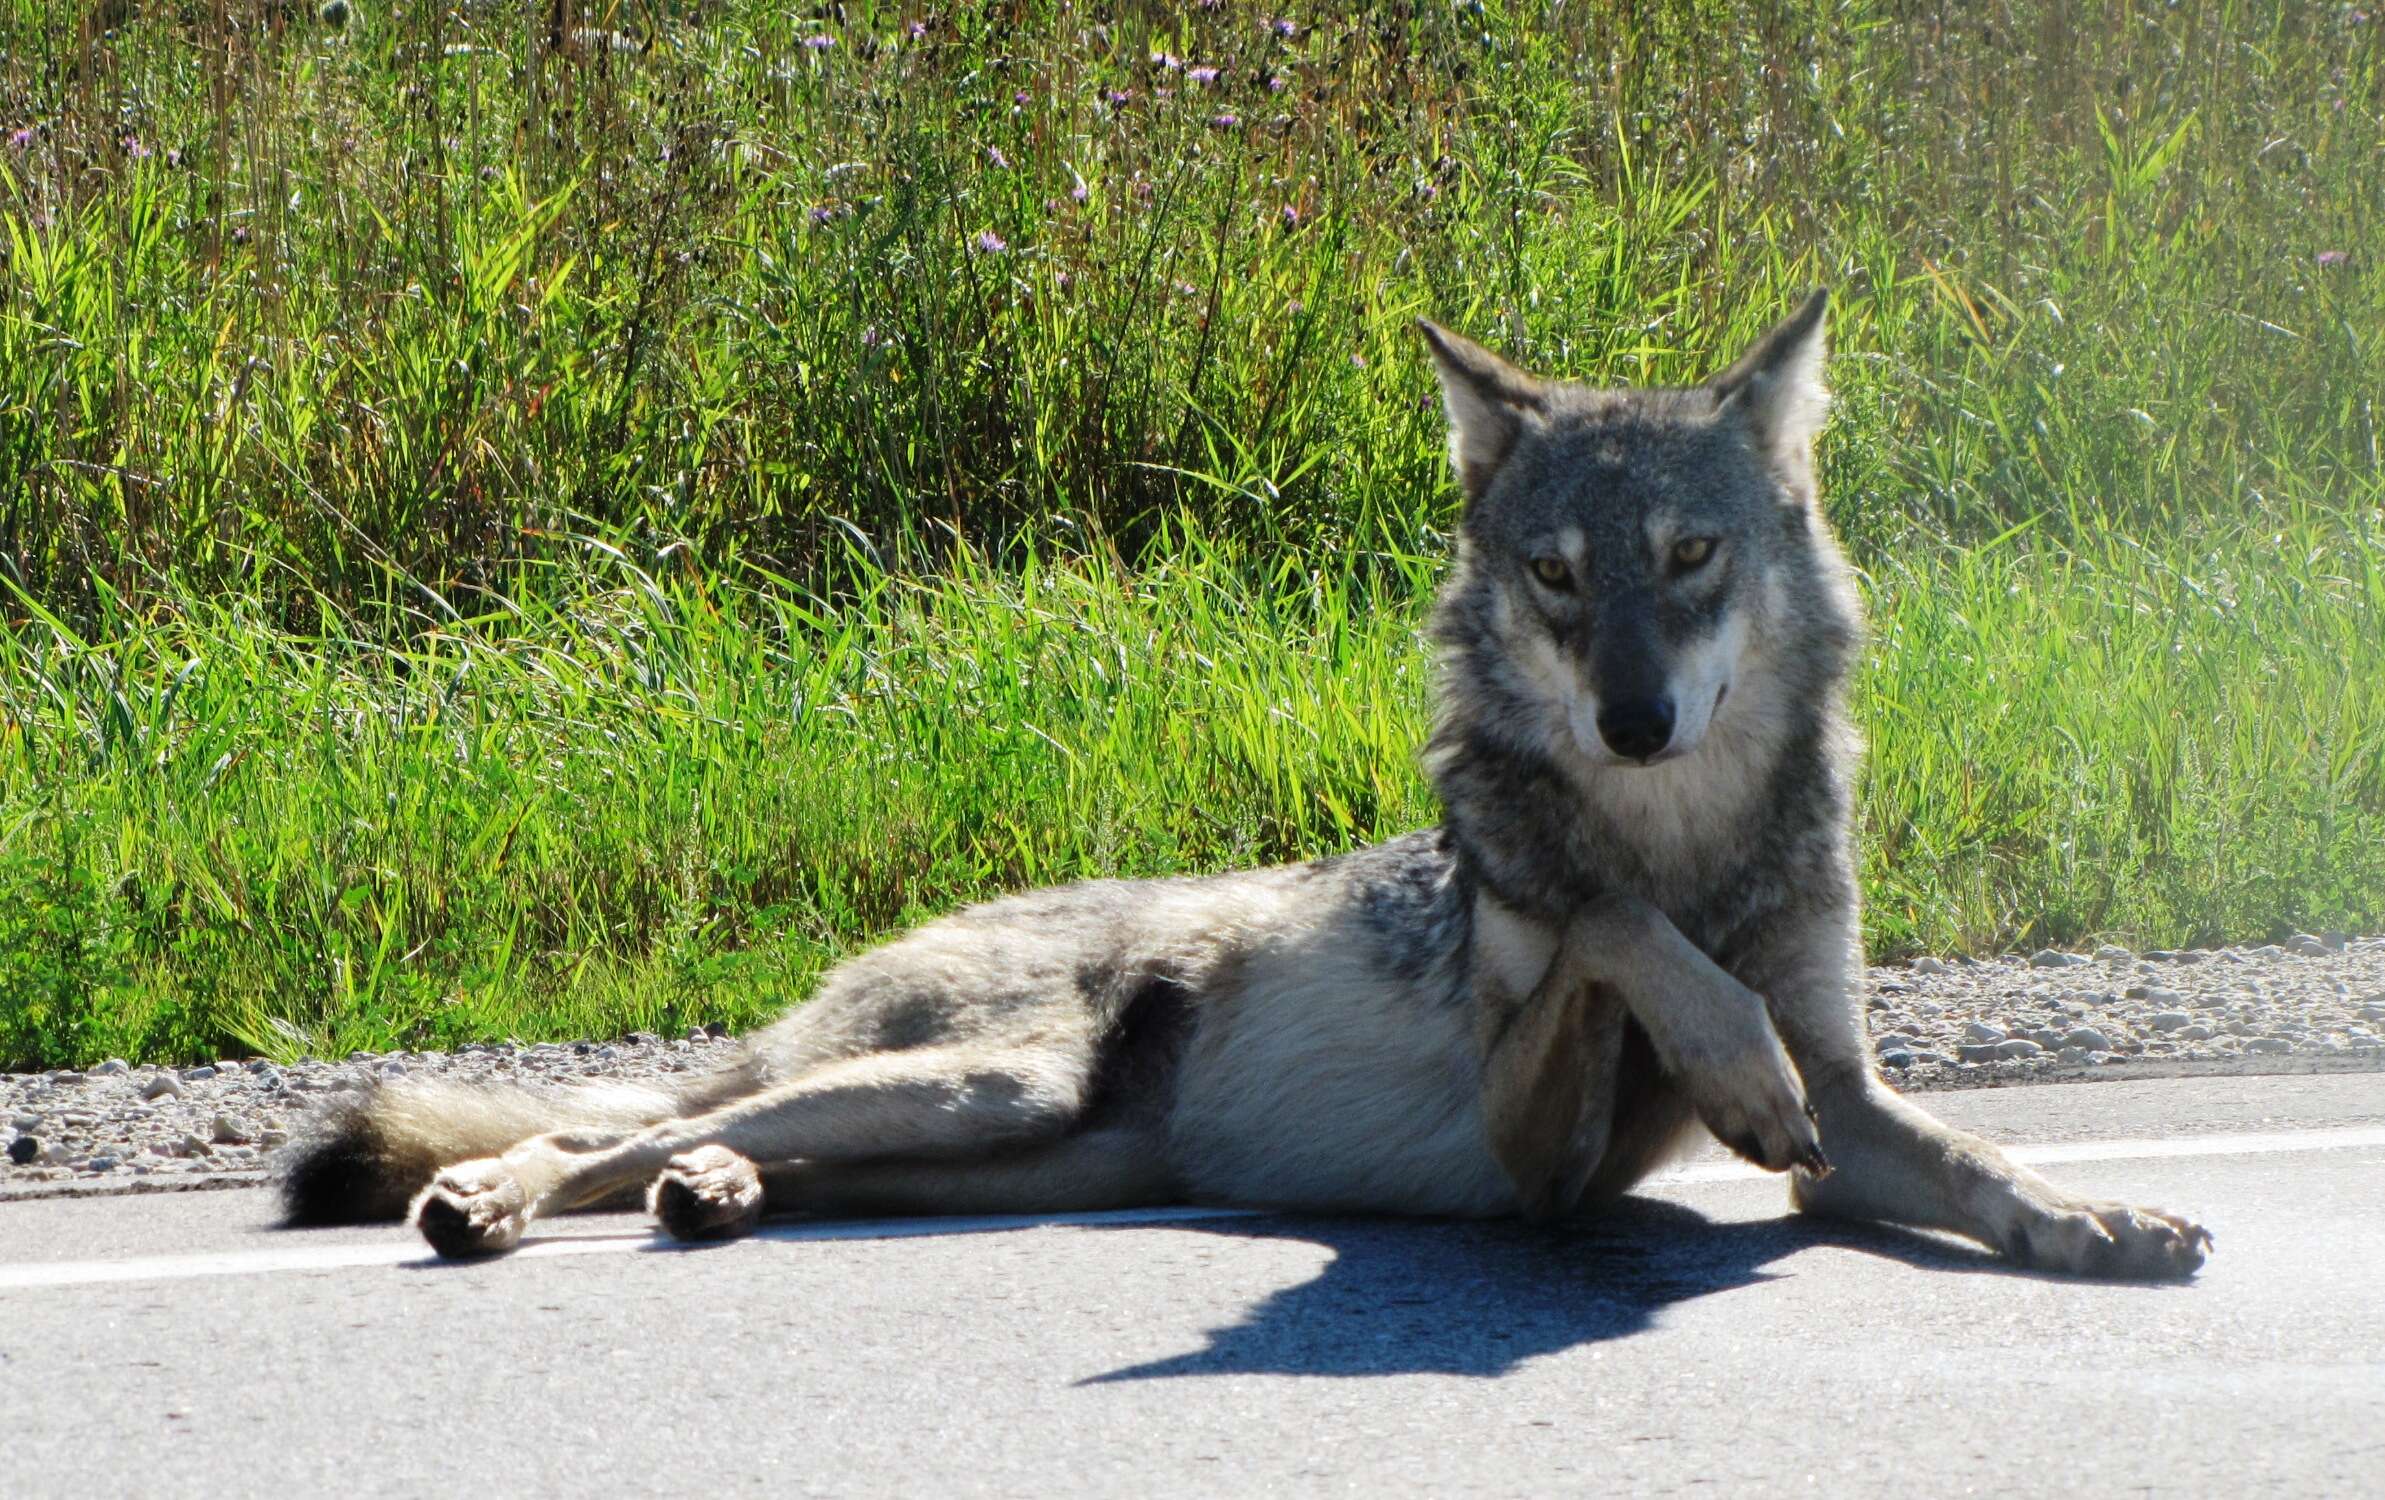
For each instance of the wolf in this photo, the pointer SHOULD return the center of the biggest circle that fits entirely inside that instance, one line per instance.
(1636, 922)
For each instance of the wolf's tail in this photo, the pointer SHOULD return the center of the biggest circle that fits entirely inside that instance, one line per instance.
(365, 1156)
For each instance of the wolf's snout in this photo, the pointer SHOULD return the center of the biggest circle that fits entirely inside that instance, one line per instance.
(1637, 728)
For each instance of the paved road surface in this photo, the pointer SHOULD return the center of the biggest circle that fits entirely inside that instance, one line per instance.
(1700, 1342)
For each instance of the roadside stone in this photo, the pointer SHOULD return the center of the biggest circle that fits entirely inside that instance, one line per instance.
(2055, 958)
(63, 1076)
(2269, 1044)
(1899, 1058)
(231, 1130)
(163, 1086)
(2072, 1055)
(2112, 953)
(2195, 1033)
(1981, 1031)
(199, 1074)
(111, 1068)
(101, 1164)
(2089, 1038)
(2307, 945)
(2018, 1047)
(23, 1150)
(2169, 1020)
(1929, 966)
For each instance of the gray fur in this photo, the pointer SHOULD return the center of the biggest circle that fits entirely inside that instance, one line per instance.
(1638, 914)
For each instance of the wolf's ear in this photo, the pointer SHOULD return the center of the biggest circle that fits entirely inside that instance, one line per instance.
(1489, 401)
(1776, 389)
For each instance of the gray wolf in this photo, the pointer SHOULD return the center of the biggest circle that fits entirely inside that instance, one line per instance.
(1637, 919)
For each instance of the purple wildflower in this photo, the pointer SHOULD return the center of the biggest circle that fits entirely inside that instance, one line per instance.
(822, 213)
(1187, 289)
(1275, 83)
(871, 338)
(1019, 98)
(1291, 215)
(1203, 74)
(1166, 60)
(916, 30)
(1283, 27)
(990, 243)
(1226, 121)
(21, 138)
(1080, 192)
(1143, 189)
(134, 149)
(819, 43)
(1115, 98)
(1358, 360)
(995, 159)
(2331, 257)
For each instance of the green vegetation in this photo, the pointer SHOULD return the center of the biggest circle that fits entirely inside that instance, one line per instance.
(502, 534)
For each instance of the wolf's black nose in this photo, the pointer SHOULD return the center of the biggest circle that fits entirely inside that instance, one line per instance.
(1637, 728)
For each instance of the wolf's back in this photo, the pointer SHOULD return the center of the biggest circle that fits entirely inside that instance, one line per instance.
(365, 1156)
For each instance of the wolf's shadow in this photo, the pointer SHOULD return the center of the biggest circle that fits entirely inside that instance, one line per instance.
(1402, 1297)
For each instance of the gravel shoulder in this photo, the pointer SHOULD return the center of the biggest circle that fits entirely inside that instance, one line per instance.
(2313, 1004)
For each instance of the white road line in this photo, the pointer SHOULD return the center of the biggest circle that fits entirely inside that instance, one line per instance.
(410, 1251)
(2121, 1150)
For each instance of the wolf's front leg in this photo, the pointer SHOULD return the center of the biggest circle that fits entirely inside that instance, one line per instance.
(1551, 1057)
(1897, 1164)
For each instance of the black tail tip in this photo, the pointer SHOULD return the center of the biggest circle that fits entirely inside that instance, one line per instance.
(341, 1172)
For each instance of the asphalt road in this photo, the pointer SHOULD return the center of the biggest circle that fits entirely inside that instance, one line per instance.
(1700, 1341)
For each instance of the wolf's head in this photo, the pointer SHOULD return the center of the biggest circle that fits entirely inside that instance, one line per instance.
(1640, 570)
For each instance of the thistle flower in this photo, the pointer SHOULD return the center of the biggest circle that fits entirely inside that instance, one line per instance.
(819, 43)
(989, 243)
(1202, 74)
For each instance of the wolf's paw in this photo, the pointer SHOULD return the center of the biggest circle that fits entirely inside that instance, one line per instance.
(1759, 1110)
(2115, 1240)
(710, 1193)
(475, 1208)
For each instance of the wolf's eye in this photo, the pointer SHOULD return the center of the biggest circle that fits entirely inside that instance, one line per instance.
(1552, 572)
(1692, 552)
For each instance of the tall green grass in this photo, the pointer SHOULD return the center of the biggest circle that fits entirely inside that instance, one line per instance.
(504, 534)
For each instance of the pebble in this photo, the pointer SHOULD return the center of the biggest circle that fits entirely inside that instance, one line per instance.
(2269, 1044)
(2019, 1046)
(111, 1068)
(2089, 1038)
(2111, 953)
(2055, 958)
(231, 1130)
(1929, 966)
(163, 1086)
(1981, 1031)
(2170, 1020)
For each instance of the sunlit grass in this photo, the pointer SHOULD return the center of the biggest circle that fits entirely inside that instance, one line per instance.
(502, 535)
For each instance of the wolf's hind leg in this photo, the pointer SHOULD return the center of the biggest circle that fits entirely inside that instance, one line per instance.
(926, 1103)
(1549, 1086)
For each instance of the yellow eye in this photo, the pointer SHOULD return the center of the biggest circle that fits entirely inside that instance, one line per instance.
(1692, 551)
(1552, 572)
